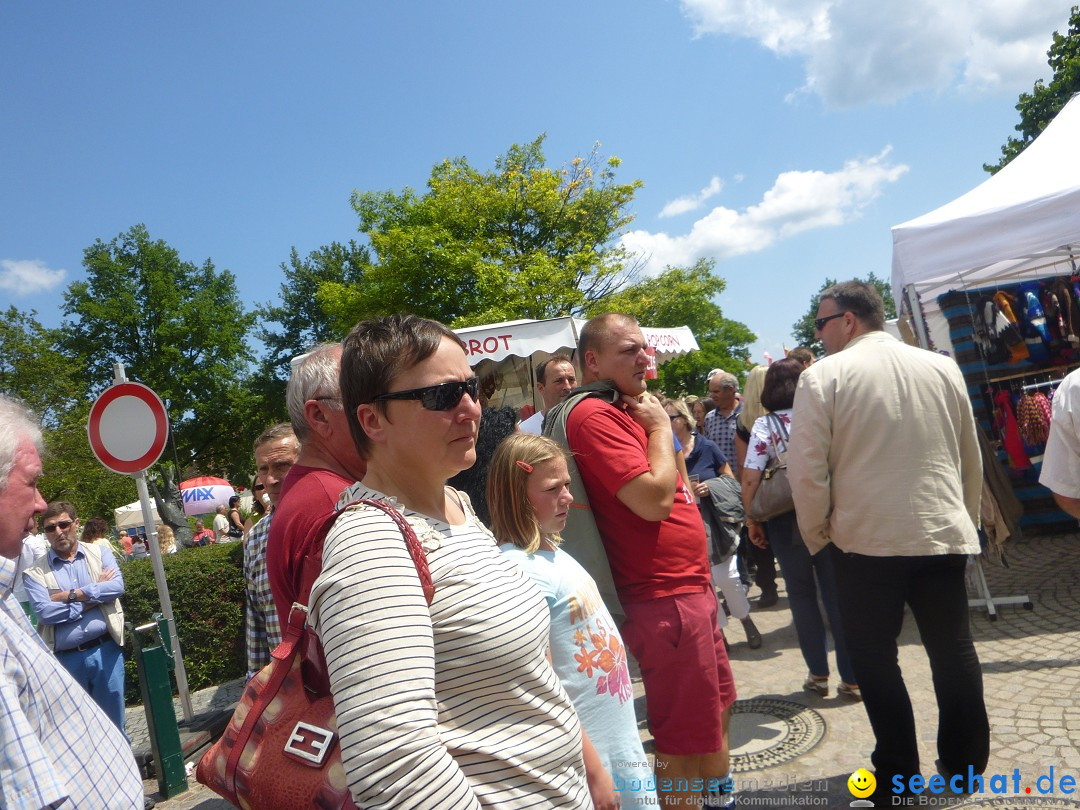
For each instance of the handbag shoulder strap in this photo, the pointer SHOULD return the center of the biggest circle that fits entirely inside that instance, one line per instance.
(313, 563)
(780, 429)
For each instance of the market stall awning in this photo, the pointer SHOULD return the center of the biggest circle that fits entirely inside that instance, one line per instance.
(525, 338)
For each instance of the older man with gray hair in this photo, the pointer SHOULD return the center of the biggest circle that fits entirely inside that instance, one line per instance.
(58, 745)
(328, 462)
(721, 421)
(276, 450)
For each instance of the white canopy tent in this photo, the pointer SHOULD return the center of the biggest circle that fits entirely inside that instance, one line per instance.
(512, 349)
(525, 338)
(131, 517)
(1022, 223)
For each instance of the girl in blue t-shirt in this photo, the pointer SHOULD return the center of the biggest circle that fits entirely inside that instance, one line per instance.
(529, 498)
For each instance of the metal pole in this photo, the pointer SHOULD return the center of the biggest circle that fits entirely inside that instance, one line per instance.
(159, 573)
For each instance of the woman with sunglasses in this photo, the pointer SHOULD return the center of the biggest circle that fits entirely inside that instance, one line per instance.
(451, 704)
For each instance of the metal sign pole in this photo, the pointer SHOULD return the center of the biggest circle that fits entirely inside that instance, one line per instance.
(159, 574)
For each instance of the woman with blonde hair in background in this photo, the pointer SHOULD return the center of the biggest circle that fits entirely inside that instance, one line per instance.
(704, 461)
(528, 495)
(753, 561)
(166, 540)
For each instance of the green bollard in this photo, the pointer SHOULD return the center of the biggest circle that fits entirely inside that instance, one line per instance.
(154, 665)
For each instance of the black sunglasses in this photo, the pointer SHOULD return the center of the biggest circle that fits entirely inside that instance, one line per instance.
(442, 397)
(819, 323)
(259, 486)
(61, 525)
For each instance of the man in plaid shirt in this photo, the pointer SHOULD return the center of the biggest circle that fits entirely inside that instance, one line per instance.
(276, 450)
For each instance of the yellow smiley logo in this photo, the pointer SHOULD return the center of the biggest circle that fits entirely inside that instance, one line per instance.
(861, 783)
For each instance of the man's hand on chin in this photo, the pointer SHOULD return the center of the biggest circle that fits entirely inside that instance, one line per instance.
(647, 411)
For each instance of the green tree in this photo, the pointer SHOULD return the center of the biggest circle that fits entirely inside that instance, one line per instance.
(33, 369)
(299, 321)
(180, 329)
(1038, 108)
(686, 297)
(523, 240)
(803, 329)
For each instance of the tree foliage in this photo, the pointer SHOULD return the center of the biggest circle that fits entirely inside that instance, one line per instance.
(520, 241)
(803, 329)
(180, 329)
(33, 370)
(300, 320)
(686, 297)
(1038, 108)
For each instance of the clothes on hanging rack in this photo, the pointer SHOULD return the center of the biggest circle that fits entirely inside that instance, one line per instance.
(1033, 418)
(1005, 423)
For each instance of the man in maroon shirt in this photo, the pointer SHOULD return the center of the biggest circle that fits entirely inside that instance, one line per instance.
(328, 463)
(655, 543)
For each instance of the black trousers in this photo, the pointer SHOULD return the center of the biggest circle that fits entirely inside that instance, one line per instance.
(761, 560)
(872, 593)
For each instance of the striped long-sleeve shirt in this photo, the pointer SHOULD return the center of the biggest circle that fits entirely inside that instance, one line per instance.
(452, 706)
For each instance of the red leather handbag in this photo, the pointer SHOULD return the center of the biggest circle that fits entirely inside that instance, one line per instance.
(281, 750)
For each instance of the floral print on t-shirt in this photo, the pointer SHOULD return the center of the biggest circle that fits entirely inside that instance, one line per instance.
(764, 439)
(601, 653)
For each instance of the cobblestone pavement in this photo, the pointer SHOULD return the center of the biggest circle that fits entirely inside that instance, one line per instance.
(1031, 666)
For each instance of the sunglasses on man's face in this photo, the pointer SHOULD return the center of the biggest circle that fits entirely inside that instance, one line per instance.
(61, 525)
(441, 397)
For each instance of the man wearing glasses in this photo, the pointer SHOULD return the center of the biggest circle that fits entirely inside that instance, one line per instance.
(75, 590)
(886, 474)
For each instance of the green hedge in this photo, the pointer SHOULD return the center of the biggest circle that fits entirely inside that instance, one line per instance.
(206, 587)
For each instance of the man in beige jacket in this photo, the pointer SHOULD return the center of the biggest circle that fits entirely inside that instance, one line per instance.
(885, 470)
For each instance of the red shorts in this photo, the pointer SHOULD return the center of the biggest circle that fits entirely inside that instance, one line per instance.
(685, 669)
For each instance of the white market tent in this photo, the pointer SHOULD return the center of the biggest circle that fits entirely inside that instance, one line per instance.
(526, 338)
(131, 517)
(1022, 223)
(512, 349)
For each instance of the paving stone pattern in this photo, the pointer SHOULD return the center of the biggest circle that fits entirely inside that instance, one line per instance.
(1031, 666)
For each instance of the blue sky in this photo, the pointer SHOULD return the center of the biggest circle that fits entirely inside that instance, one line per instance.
(782, 137)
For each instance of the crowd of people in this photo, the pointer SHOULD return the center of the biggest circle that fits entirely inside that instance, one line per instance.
(507, 683)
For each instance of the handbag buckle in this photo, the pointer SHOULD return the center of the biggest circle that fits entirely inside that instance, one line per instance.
(310, 743)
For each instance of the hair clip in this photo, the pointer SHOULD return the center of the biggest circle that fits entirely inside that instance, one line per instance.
(526, 467)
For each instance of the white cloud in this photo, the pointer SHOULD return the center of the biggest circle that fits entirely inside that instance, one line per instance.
(798, 201)
(28, 276)
(692, 202)
(856, 52)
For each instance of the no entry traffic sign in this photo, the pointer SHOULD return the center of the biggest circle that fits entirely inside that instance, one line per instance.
(128, 428)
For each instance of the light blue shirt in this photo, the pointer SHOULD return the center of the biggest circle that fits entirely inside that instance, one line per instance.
(56, 745)
(591, 661)
(76, 622)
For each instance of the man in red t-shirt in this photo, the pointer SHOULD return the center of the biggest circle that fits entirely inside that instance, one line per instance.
(655, 543)
(328, 463)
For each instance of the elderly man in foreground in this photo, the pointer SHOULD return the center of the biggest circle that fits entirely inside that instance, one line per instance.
(57, 747)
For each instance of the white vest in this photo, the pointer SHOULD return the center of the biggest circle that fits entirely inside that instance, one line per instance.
(43, 575)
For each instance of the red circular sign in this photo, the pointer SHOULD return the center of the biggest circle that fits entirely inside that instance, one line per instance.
(128, 428)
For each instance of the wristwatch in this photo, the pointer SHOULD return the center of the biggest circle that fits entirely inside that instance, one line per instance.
(71, 595)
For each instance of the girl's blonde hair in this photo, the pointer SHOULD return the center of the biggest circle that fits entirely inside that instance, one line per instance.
(166, 538)
(512, 517)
